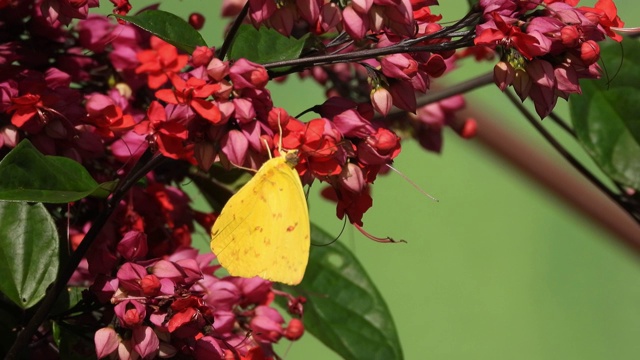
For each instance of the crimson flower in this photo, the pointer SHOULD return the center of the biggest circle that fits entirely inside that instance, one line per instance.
(167, 135)
(193, 92)
(607, 16)
(160, 62)
(509, 35)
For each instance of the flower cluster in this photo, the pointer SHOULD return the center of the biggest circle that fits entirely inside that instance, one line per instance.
(380, 82)
(547, 46)
(177, 305)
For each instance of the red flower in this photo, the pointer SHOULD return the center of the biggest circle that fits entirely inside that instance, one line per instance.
(508, 35)
(318, 144)
(606, 15)
(160, 62)
(107, 116)
(168, 135)
(193, 92)
(25, 107)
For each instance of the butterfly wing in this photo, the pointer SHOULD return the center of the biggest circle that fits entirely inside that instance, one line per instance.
(264, 228)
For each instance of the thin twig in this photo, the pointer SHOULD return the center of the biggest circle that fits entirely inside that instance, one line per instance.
(562, 124)
(298, 64)
(232, 31)
(564, 153)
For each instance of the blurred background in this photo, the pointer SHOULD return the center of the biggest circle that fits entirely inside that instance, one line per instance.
(499, 268)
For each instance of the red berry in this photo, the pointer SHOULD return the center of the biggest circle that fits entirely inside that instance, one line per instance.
(196, 20)
(294, 330)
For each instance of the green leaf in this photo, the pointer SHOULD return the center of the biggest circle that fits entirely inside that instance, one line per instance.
(344, 309)
(28, 252)
(27, 175)
(265, 45)
(605, 116)
(168, 27)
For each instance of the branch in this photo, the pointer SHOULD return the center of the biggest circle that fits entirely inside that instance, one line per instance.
(406, 46)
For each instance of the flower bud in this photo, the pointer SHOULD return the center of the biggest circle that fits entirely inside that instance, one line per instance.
(150, 285)
(218, 69)
(133, 245)
(246, 74)
(201, 56)
(294, 330)
(381, 100)
(205, 154)
(570, 36)
(589, 52)
(503, 74)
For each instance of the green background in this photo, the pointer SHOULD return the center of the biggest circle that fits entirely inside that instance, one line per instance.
(499, 268)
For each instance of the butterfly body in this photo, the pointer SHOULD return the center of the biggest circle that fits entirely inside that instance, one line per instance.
(263, 230)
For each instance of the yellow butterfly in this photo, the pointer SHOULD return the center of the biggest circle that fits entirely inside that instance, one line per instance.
(263, 230)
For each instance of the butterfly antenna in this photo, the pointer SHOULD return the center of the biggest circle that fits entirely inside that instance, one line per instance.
(344, 224)
(413, 184)
(280, 137)
(266, 144)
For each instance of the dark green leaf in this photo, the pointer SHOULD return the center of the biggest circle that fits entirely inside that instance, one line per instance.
(167, 27)
(28, 252)
(264, 45)
(605, 117)
(344, 309)
(27, 175)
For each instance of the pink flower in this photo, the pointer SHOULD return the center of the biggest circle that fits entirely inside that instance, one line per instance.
(129, 276)
(95, 32)
(145, 341)
(207, 348)
(234, 146)
(245, 74)
(380, 148)
(104, 288)
(107, 116)
(351, 124)
(223, 294)
(355, 23)
(130, 313)
(106, 341)
(253, 290)
(351, 178)
(399, 66)
(133, 245)
(267, 324)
